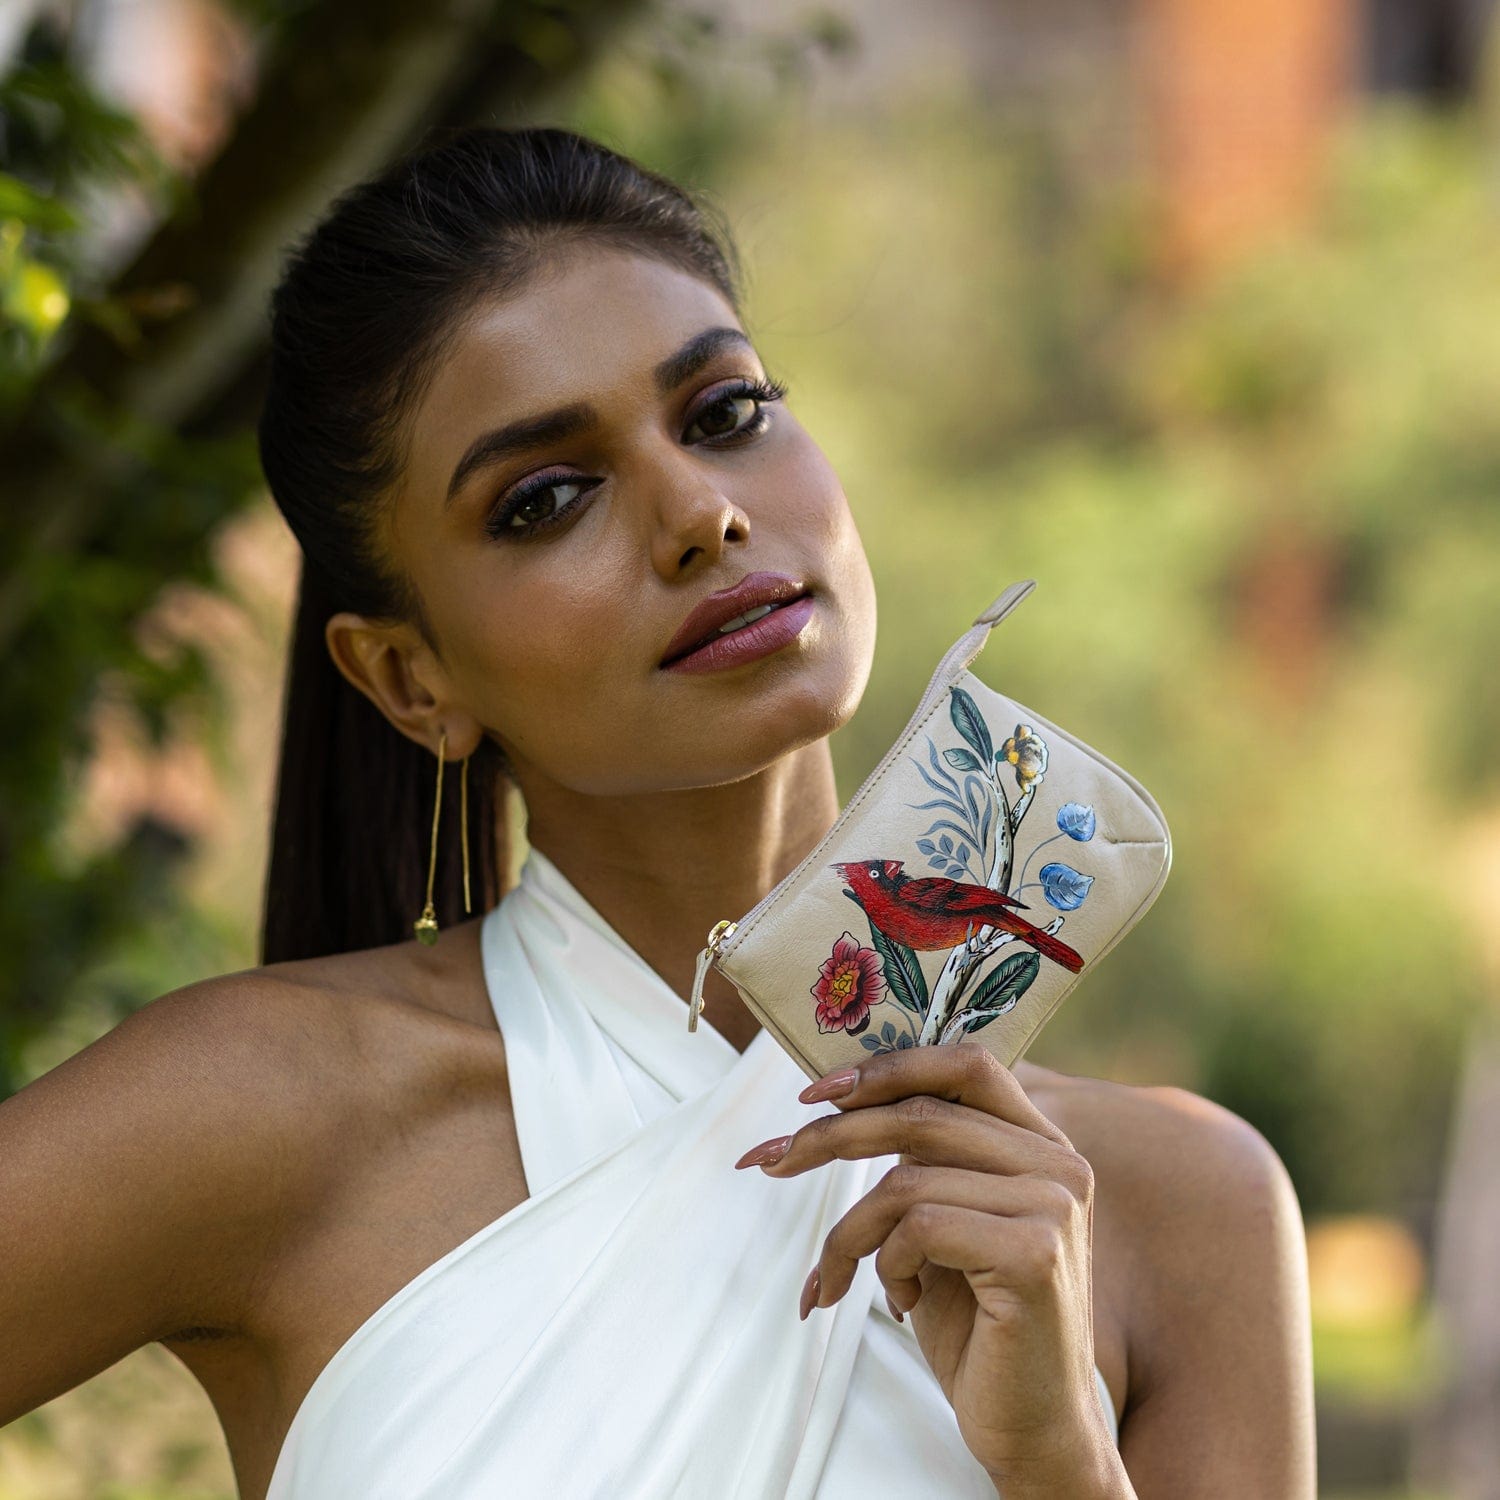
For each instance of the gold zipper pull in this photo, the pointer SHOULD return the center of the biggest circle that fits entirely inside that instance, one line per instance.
(695, 1000)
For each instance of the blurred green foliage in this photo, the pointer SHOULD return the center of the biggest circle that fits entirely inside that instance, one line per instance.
(63, 146)
(61, 142)
(1396, 1358)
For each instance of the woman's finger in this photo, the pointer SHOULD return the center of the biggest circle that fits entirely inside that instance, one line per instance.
(1021, 1252)
(936, 1132)
(870, 1222)
(962, 1072)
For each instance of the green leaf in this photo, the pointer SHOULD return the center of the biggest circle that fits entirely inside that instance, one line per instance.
(975, 1021)
(40, 210)
(970, 723)
(1007, 981)
(903, 974)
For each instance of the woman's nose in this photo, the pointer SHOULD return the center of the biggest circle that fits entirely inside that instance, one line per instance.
(693, 514)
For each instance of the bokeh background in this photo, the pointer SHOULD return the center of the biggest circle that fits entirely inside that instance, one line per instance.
(1189, 311)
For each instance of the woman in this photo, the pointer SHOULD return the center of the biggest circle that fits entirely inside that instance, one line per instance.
(463, 1219)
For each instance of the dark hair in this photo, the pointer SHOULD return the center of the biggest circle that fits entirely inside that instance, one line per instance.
(367, 303)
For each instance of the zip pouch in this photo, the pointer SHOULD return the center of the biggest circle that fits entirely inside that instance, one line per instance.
(987, 862)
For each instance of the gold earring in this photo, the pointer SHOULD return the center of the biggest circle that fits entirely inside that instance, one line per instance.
(426, 925)
(463, 825)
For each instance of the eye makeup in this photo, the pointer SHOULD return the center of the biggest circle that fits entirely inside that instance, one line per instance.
(501, 524)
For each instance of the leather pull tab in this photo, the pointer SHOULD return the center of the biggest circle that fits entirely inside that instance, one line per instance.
(999, 608)
(971, 643)
(709, 952)
(695, 999)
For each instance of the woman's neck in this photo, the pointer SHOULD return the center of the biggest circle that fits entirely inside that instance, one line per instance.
(661, 868)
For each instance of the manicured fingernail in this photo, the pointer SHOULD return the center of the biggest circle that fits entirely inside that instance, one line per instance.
(832, 1086)
(809, 1294)
(764, 1154)
(896, 1312)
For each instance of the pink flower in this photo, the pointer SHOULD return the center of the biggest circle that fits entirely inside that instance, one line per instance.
(849, 983)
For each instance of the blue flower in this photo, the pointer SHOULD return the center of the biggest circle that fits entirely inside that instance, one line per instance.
(1064, 886)
(1076, 819)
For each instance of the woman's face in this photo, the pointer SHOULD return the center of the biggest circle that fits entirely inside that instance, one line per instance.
(552, 640)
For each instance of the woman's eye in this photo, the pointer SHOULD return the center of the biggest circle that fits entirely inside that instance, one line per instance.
(535, 506)
(719, 418)
(534, 509)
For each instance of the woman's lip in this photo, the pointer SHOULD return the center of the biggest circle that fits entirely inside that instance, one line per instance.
(755, 589)
(750, 642)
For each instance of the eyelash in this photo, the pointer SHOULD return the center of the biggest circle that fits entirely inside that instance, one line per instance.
(497, 524)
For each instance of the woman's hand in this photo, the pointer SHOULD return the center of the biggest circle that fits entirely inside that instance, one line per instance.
(984, 1233)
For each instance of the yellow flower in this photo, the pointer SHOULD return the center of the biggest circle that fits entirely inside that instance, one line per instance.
(1027, 754)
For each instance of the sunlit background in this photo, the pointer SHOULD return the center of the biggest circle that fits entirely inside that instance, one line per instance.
(1191, 312)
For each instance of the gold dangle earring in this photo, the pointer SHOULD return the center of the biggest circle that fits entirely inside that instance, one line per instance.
(426, 926)
(463, 825)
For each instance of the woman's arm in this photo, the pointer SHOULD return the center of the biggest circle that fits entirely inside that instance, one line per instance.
(142, 1182)
(1220, 1395)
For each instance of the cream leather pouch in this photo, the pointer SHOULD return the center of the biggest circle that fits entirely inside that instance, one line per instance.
(985, 865)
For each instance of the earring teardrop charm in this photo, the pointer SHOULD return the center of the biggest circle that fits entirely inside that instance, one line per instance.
(426, 926)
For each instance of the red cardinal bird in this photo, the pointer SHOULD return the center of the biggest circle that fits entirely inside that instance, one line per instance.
(937, 913)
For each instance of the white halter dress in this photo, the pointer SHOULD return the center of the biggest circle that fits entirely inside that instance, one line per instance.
(629, 1331)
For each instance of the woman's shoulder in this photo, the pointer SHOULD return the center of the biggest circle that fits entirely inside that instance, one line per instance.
(313, 1063)
(1171, 1159)
(309, 1051)
(387, 1020)
(151, 1177)
(160, 1180)
(1145, 1127)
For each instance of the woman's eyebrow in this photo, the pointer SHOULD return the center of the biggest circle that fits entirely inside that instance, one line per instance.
(530, 433)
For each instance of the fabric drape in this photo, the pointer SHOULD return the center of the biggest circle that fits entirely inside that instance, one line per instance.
(630, 1329)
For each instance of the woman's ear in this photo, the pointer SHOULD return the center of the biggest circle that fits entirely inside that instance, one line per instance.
(396, 670)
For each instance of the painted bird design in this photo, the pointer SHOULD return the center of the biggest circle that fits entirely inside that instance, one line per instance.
(932, 912)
